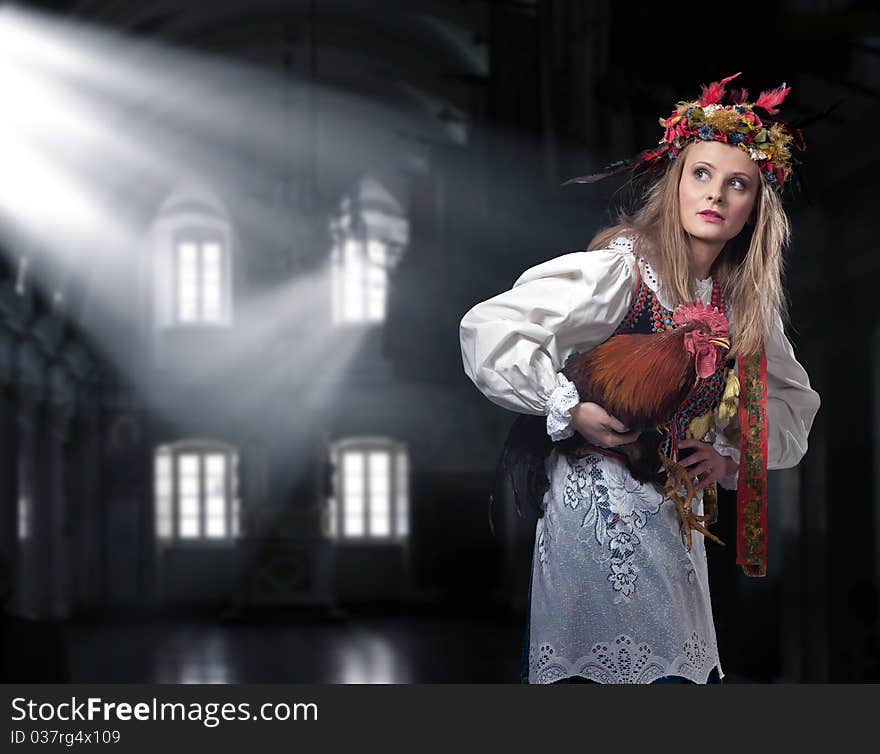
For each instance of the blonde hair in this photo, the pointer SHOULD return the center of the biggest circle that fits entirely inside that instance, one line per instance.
(749, 268)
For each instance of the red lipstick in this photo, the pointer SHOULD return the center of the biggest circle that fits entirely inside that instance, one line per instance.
(710, 215)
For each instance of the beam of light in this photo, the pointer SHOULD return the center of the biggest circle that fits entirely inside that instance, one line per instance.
(109, 97)
(33, 184)
(185, 91)
(309, 368)
(48, 115)
(100, 128)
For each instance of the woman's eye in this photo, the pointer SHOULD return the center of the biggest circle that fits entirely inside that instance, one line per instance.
(738, 184)
(700, 172)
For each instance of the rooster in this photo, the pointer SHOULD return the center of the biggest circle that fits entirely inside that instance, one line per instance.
(642, 380)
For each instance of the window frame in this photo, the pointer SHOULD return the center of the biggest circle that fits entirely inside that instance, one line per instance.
(368, 289)
(232, 512)
(200, 236)
(377, 231)
(398, 492)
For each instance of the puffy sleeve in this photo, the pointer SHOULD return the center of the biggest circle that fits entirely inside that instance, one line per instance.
(791, 407)
(514, 344)
(726, 443)
(791, 403)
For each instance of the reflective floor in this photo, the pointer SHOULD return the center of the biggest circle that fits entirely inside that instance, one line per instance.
(362, 650)
(365, 649)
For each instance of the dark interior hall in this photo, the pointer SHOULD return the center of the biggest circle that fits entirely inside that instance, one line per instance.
(236, 440)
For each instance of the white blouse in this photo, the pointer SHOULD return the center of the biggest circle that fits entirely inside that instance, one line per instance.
(615, 596)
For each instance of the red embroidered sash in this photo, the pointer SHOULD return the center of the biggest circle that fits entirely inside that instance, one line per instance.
(751, 497)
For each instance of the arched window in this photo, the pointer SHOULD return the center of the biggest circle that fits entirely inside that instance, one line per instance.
(199, 277)
(196, 492)
(369, 236)
(370, 494)
(192, 260)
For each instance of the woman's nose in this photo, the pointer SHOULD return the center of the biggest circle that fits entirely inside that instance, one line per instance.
(715, 195)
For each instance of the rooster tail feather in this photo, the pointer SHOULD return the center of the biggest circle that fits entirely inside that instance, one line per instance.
(641, 456)
(522, 462)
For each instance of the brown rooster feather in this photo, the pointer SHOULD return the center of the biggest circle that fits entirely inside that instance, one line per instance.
(642, 380)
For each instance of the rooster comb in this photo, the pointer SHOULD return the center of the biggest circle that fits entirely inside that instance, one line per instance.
(699, 312)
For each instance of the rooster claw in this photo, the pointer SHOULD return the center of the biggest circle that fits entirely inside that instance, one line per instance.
(692, 521)
(680, 477)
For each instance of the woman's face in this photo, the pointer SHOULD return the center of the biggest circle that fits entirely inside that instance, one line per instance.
(717, 191)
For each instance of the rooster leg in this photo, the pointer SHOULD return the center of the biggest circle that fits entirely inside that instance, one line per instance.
(680, 477)
(695, 524)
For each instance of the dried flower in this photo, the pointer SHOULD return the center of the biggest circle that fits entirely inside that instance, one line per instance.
(723, 119)
(779, 134)
(782, 156)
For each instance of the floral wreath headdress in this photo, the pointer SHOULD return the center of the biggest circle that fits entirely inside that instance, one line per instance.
(727, 117)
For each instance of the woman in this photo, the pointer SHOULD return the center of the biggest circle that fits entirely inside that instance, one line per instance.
(616, 594)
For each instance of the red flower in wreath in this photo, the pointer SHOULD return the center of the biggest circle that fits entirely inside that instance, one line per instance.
(676, 128)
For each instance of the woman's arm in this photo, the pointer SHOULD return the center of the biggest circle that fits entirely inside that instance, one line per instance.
(791, 407)
(728, 448)
(791, 403)
(514, 344)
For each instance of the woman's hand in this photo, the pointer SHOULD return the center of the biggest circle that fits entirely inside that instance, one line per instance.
(707, 461)
(600, 428)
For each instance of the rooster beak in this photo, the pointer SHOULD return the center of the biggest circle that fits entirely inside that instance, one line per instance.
(721, 343)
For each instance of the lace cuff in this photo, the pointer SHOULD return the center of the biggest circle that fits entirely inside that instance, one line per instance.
(730, 481)
(563, 397)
